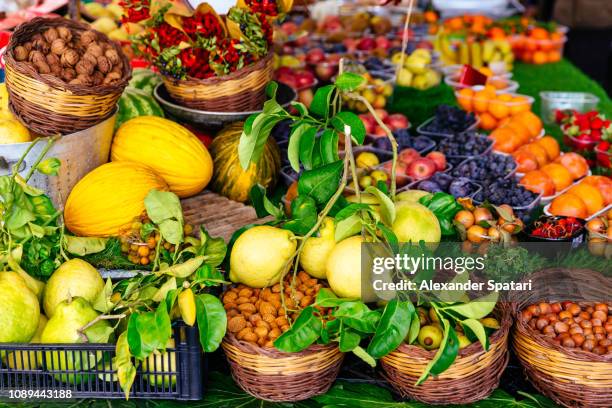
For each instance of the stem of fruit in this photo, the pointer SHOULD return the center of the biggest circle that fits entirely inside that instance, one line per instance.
(389, 136)
(41, 157)
(81, 331)
(22, 158)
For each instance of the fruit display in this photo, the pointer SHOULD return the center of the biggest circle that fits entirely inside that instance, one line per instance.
(491, 106)
(107, 19)
(325, 65)
(485, 169)
(519, 130)
(416, 71)
(583, 199)
(574, 326)
(376, 89)
(539, 46)
(465, 145)
(477, 53)
(508, 191)
(339, 27)
(603, 154)
(533, 155)
(135, 102)
(412, 166)
(443, 182)
(584, 131)
(555, 177)
(448, 121)
(300, 80)
(479, 225)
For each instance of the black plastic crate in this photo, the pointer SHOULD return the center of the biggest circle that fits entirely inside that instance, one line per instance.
(94, 376)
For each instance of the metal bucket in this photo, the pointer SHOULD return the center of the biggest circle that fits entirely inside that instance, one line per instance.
(79, 152)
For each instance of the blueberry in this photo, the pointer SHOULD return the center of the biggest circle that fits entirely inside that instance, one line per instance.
(461, 187)
(443, 180)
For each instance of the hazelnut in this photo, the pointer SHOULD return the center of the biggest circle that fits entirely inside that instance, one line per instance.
(104, 65)
(88, 37)
(76, 81)
(37, 56)
(70, 58)
(95, 49)
(112, 77)
(51, 35)
(20, 53)
(64, 33)
(58, 46)
(42, 67)
(98, 78)
(84, 67)
(68, 74)
(112, 55)
(52, 59)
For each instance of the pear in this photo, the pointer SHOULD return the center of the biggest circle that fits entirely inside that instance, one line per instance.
(19, 309)
(65, 327)
(74, 278)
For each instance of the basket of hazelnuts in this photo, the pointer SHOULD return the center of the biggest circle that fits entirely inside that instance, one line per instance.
(62, 76)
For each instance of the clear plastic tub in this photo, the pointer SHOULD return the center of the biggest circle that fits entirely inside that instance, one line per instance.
(548, 199)
(455, 71)
(604, 158)
(578, 145)
(414, 186)
(534, 51)
(488, 150)
(523, 212)
(473, 158)
(503, 85)
(553, 101)
(512, 105)
(422, 129)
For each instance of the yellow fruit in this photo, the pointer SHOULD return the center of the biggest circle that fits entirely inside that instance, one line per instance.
(20, 309)
(108, 198)
(430, 337)
(490, 323)
(73, 278)
(12, 131)
(415, 222)
(260, 255)
(28, 360)
(343, 270)
(158, 365)
(317, 249)
(366, 160)
(169, 149)
(463, 341)
(186, 302)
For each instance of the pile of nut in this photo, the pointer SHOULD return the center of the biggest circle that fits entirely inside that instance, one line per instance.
(257, 316)
(76, 58)
(572, 325)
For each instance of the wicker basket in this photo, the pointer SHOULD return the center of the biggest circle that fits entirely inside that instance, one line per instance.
(46, 104)
(271, 375)
(473, 376)
(240, 91)
(572, 378)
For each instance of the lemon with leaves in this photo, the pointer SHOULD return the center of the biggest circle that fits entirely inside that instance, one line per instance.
(317, 249)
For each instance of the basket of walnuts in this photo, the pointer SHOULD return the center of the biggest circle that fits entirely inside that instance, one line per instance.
(62, 76)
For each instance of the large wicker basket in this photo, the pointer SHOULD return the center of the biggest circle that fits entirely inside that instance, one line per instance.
(240, 91)
(271, 375)
(572, 378)
(472, 377)
(46, 104)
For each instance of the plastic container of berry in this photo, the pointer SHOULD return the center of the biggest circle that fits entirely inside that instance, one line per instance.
(383, 155)
(522, 211)
(423, 129)
(467, 145)
(458, 187)
(491, 171)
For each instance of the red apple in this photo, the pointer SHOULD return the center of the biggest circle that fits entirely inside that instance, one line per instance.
(304, 78)
(383, 42)
(325, 70)
(408, 155)
(382, 114)
(366, 44)
(305, 96)
(350, 44)
(421, 168)
(439, 159)
(397, 121)
(315, 56)
(368, 123)
(400, 170)
(379, 132)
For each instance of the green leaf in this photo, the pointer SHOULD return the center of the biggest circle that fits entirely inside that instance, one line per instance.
(50, 166)
(303, 215)
(358, 316)
(362, 354)
(294, 149)
(321, 101)
(329, 146)
(162, 293)
(350, 210)
(149, 331)
(349, 339)
(345, 118)
(300, 107)
(212, 321)
(82, 246)
(327, 298)
(184, 269)
(304, 332)
(392, 329)
(163, 205)
(213, 249)
(171, 231)
(348, 227)
(349, 81)
(415, 327)
(321, 183)
(102, 302)
(126, 372)
(479, 331)
(252, 144)
(476, 309)
(271, 89)
(306, 148)
(387, 208)
(263, 205)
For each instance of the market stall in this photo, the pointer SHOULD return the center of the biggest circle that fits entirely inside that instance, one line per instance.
(211, 206)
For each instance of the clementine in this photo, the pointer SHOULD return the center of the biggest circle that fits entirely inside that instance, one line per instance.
(569, 205)
(487, 121)
(560, 176)
(540, 57)
(575, 163)
(531, 121)
(520, 130)
(551, 146)
(525, 160)
(464, 98)
(591, 196)
(520, 104)
(539, 152)
(480, 102)
(538, 182)
(504, 140)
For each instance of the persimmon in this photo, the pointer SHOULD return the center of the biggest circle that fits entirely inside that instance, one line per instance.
(538, 182)
(590, 195)
(525, 160)
(551, 146)
(569, 205)
(560, 176)
(575, 163)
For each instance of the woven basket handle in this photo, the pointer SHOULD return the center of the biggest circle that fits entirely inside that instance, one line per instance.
(74, 9)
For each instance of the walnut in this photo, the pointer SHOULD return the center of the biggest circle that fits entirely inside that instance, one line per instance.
(41, 45)
(76, 81)
(70, 58)
(58, 47)
(64, 33)
(28, 46)
(85, 79)
(90, 57)
(20, 53)
(53, 59)
(84, 67)
(113, 56)
(51, 35)
(104, 64)
(88, 37)
(42, 67)
(37, 56)
(111, 78)
(95, 49)
(118, 69)
(98, 78)
(56, 70)
(68, 74)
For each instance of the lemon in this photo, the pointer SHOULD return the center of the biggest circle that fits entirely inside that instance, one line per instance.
(365, 160)
(317, 249)
(20, 310)
(260, 254)
(344, 272)
(28, 360)
(12, 131)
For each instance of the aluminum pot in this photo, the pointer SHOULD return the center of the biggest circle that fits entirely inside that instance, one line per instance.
(79, 152)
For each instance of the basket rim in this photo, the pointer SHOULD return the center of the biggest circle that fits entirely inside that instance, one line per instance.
(473, 349)
(39, 24)
(250, 348)
(236, 75)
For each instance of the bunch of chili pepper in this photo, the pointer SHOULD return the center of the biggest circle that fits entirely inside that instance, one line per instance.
(556, 228)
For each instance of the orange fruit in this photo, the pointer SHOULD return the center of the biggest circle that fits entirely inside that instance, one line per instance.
(519, 104)
(527, 56)
(554, 56)
(539, 152)
(559, 175)
(487, 121)
(504, 140)
(499, 108)
(603, 184)
(591, 196)
(575, 163)
(538, 182)
(531, 121)
(569, 205)
(480, 102)
(520, 130)
(464, 98)
(551, 146)
(540, 57)
(525, 160)
(539, 33)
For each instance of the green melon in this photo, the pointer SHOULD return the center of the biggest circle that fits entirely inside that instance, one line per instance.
(135, 102)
